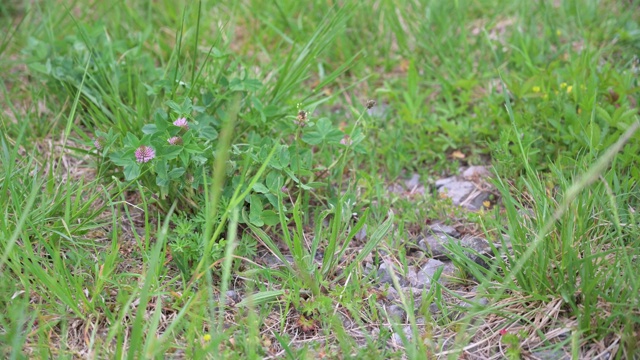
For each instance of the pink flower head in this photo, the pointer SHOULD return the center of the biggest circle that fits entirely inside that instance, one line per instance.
(98, 143)
(346, 140)
(145, 154)
(176, 140)
(182, 122)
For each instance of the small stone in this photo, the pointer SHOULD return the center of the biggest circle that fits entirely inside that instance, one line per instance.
(464, 193)
(479, 245)
(428, 271)
(444, 229)
(232, 297)
(384, 276)
(273, 261)
(433, 244)
(362, 234)
(442, 182)
(407, 333)
(433, 308)
(526, 213)
(457, 191)
(412, 275)
(368, 268)
(347, 323)
(477, 202)
(468, 304)
(550, 355)
(476, 172)
(397, 313)
(392, 294)
(425, 275)
(395, 189)
(412, 183)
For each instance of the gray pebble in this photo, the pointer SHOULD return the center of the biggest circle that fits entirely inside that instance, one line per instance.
(476, 172)
(397, 313)
(407, 333)
(444, 229)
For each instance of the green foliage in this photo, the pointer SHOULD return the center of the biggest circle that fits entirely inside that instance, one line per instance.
(280, 156)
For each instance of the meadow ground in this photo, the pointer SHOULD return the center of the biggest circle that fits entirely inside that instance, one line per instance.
(319, 179)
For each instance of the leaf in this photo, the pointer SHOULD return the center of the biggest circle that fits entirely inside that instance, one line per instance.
(274, 181)
(184, 158)
(281, 158)
(312, 138)
(271, 110)
(257, 104)
(323, 126)
(208, 133)
(169, 152)
(161, 169)
(176, 173)
(270, 217)
(260, 188)
(255, 210)
(273, 200)
(174, 106)
(323, 131)
(131, 141)
(131, 171)
(150, 129)
(316, 185)
(162, 182)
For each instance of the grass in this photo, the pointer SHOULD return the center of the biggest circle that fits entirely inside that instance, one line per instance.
(259, 233)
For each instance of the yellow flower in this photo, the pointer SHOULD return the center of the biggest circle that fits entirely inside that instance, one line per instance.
(569, 89)
(536, 89)
(563, 85)
(558, 32)
(206, 337)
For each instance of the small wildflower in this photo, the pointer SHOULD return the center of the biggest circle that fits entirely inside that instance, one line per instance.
(206, 337)
(176, 140)
(182, 122)
(536, 89)
(145, 154)
(569, 89)
(301, 118)
(285, 189)
(346, 140)
(503, 332)
(558, 32)
(370, 104)
(563, 85)
(98, 143)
